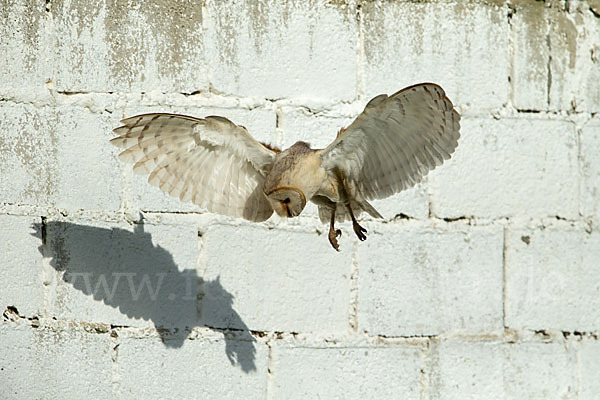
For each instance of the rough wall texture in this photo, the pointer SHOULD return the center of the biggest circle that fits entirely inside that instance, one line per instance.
(482, 282)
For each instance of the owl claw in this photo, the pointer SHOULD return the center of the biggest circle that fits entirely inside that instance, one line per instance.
(333, 235)
(359, 230)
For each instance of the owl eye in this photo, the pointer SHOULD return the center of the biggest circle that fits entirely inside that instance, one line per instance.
(286, 200)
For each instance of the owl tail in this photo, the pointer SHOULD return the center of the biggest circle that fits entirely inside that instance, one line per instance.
(368, 208)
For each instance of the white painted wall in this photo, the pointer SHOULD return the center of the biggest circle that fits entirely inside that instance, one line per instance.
(487, 287)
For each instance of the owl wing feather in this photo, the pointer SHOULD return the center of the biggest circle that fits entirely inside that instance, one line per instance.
(210, 161)
(395, 141)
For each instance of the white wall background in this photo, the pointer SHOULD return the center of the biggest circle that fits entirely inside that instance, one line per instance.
(482, 282)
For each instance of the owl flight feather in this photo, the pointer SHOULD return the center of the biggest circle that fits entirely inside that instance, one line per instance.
(220, 167)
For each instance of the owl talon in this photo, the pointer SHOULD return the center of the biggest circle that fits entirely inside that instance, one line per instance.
(359, 230)
(333, 235)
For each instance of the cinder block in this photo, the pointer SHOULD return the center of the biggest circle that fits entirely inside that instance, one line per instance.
(464, 370)
(348, 373)
(58, 157)
(274, 50)
(410, 42)
(531, 54)
(589, 365)
(523, 370)
(511, 167)
(413, 202)
(89, 175)
(199, 370)
(552, 279)
(21, 265)
(590, 169)
(574, 66)
(28, 155)
(540, 371)
(118, 274)
(260, 122)
(556, 57)
(278, 279)
(130, 45)
(24, 62)
(318, 129)
(416, 280)
(49, 364)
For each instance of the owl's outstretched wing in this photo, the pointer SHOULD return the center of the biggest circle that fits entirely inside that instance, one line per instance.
(395, 141)
(210, 161)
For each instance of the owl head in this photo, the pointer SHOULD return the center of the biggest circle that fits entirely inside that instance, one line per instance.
(287, 201)
(291, 180)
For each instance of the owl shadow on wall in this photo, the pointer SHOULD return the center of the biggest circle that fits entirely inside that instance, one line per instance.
(98, 267)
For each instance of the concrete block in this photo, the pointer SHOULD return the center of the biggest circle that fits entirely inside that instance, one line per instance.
(411, 42)
(530, 70)
(28, 154)
(348, 373)
(123, 275)
(199, 370)
(524, 370)
(589, 365)
(89, 175)
(65, 364)
(318, 129)
(58, 157)
(416, 280)
(525, 168)
(467, 370)
(276, 50)
(273, 280)
(413, 202)
(574, 66)
(552, 279)
(24, 62)
(133, 45)
(21, 265)
(556, 57)
(540, 371)
(590, 169)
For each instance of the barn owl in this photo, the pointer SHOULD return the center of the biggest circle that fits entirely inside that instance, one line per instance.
(219, 166)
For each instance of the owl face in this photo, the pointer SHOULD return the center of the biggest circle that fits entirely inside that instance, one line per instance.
(287, 201)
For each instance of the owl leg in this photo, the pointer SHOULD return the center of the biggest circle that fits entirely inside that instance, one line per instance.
(334, 233)
(359, 230)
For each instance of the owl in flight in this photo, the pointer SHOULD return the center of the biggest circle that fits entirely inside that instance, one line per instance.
(217, 165)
